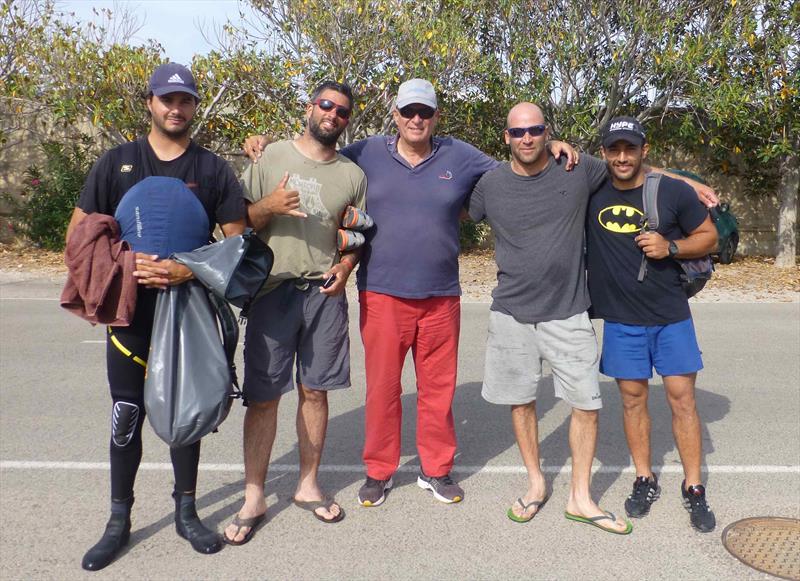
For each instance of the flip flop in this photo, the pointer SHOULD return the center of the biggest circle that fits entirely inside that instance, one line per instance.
(522, 519)
(326, 503)
(240, 523)
(594, 522)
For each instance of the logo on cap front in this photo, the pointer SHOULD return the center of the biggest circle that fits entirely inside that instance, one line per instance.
(622, 126)
(176, 78)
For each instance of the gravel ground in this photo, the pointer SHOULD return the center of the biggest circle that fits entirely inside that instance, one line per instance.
(747, 280)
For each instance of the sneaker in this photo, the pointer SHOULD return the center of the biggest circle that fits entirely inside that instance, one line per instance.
(444, 488)
(694, 500)
(372, 493)
(645, 492)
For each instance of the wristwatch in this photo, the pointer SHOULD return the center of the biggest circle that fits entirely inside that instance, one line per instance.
(673, 249)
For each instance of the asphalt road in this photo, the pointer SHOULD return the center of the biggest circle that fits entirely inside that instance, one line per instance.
(54, 423)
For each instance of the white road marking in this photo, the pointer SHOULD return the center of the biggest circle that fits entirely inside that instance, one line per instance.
(156, 466)
(27, 299)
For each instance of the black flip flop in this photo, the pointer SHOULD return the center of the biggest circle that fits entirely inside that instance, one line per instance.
(326, 503)
(240, 523)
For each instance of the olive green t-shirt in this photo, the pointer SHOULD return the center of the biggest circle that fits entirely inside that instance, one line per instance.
(304, 247)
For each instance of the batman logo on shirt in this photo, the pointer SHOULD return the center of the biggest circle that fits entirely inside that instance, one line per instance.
(621, 219)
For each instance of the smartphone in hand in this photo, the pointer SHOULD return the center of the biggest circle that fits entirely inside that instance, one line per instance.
(329, 281)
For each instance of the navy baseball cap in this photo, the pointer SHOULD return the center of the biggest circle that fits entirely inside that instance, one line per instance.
(623, 129)
(172, 78)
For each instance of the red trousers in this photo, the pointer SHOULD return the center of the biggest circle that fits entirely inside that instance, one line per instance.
(430, 328)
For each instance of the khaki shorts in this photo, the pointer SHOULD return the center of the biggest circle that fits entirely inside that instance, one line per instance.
(515, 352)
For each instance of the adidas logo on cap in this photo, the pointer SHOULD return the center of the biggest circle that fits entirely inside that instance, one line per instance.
(176, 78)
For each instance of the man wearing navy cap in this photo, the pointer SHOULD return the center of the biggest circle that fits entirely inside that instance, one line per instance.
(212, 195)
(648, 323)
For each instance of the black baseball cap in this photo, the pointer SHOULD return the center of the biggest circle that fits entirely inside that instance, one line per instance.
(623, 129)
(172, 78)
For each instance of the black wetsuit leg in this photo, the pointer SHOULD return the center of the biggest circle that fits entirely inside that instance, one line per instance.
(126, 383)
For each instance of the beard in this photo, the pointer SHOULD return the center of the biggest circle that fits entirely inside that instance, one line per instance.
(327, 138)
(172, 131)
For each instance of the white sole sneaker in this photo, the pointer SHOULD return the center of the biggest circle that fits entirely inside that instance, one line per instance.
(425, 485)
(379, 502)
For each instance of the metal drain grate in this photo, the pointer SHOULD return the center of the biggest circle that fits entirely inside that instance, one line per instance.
(767, 543)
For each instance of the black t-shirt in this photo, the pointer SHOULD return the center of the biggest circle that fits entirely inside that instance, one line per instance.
(613, 260)
(206, 174)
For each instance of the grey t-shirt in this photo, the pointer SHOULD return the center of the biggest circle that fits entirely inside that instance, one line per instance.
(538, 223)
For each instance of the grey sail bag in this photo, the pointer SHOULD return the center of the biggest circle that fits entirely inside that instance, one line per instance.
(191, 376)
(234, 269)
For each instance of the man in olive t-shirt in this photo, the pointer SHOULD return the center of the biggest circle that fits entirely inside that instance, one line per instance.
(298, 192)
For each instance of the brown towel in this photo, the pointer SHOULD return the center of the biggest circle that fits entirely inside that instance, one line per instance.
(100, 286)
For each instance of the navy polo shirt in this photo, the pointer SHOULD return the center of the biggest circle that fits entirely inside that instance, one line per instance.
(412, 251)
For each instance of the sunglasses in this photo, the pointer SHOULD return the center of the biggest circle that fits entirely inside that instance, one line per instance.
(328, 105)
(533, 130)
(411, 111)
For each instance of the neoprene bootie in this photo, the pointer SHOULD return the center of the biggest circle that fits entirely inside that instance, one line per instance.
(115, 537)
(189, 526)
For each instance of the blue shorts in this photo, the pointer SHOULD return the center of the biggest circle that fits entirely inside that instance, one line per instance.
(631, 351)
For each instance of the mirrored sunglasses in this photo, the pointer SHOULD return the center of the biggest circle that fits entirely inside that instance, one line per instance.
(533, 130)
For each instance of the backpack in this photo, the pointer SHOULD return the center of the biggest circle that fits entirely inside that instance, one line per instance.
(695, 272)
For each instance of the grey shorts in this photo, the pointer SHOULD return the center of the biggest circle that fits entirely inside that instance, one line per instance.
(290, 323)
(514, 355)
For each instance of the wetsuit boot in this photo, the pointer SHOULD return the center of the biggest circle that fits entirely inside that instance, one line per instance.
(115, 537)
(189, 526)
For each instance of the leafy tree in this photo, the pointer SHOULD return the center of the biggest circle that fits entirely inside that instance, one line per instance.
(747, 97)
(371, 44)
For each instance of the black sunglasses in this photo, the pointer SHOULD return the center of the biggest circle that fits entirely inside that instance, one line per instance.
(534, 130)
(411, 111)
(328, 105)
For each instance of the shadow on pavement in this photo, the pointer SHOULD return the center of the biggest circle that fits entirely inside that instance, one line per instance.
(484, 432)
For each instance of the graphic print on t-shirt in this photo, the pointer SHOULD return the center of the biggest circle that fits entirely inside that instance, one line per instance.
(621, 219)
(310, 198)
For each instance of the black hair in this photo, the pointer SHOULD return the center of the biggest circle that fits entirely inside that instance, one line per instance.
(342, 88)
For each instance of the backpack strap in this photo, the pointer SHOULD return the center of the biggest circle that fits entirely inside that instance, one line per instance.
(230, 336)
(650, 214)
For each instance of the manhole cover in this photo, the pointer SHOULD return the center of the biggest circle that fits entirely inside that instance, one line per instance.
(768, 544)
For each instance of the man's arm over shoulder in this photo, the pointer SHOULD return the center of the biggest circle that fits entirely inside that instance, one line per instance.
(707, 196)
(596, 171)
(476, 202)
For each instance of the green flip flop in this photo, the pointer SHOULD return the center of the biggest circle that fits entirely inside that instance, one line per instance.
(523, 519)
(594, 522)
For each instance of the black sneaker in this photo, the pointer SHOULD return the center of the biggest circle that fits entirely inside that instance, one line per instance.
(645, 492)
(694, 500)
(444, 488)
(372, 493)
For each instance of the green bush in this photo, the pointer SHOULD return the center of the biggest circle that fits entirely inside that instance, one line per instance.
(473, 235)
(45, 206)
